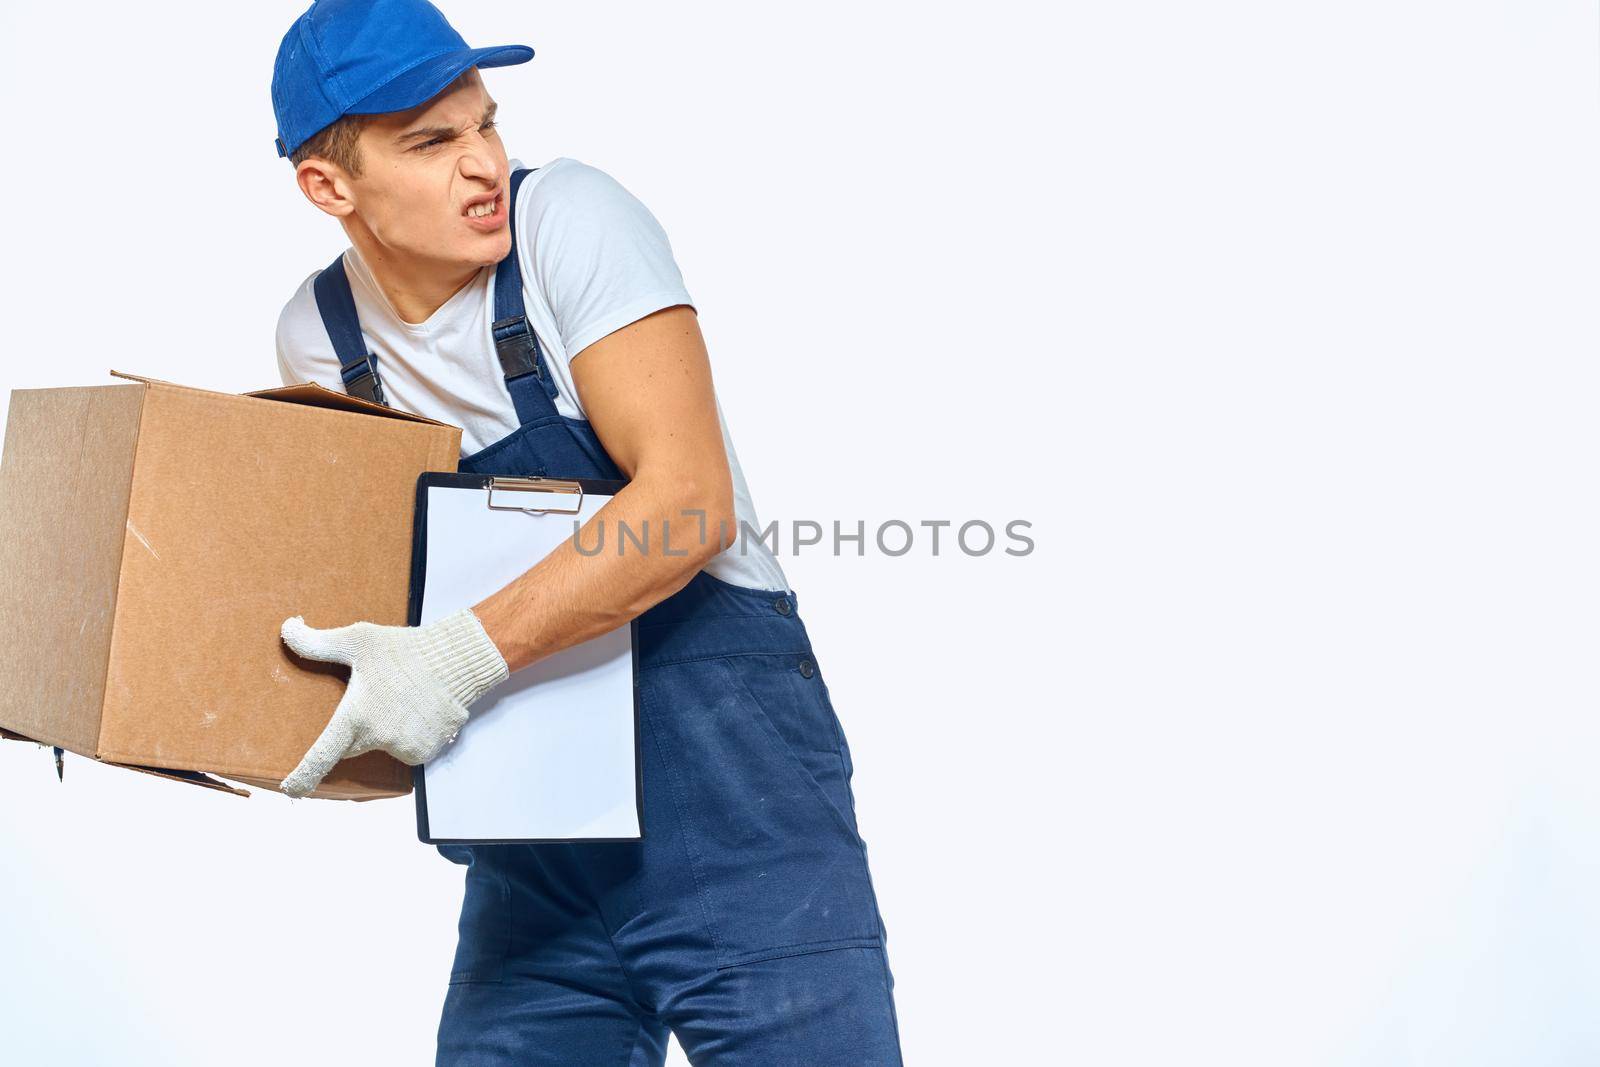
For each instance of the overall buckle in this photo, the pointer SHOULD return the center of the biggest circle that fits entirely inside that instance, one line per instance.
(517, 348)
(365, 383)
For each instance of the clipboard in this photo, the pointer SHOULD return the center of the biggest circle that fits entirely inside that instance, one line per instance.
(551, 755)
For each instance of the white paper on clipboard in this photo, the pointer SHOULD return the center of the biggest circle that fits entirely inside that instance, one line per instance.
(551, 754)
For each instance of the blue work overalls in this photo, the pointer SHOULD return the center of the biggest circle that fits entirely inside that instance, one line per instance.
(745, 920)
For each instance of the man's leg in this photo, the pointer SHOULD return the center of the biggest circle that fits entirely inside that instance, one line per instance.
(536, 982)
(748, 921)
(534, 1022)
(823, 1009)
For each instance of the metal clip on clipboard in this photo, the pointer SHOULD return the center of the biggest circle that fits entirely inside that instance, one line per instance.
(557, 486)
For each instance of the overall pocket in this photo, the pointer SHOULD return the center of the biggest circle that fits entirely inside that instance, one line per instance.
(754, 759)
(523, 452)
(484, 931)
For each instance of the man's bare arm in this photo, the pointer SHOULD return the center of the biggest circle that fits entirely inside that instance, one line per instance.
(647, 391)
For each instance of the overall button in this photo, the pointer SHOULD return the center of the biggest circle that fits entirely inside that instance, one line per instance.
(807, 668)
(782, 605)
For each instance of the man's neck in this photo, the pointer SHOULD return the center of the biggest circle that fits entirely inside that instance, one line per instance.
(415, 289)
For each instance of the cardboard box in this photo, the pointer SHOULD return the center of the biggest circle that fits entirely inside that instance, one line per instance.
(154, 537)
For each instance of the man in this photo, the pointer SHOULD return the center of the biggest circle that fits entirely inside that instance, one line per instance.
(542, 312)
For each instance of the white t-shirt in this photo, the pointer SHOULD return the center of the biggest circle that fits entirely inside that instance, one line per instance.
(593, 260)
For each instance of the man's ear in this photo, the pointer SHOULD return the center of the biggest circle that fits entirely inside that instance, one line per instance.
(326, 185)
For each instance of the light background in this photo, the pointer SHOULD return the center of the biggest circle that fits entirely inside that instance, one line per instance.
(1276, 320)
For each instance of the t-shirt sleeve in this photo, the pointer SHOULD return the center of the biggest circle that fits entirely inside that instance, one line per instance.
(304, 352)
(599, 255)
(286, 371)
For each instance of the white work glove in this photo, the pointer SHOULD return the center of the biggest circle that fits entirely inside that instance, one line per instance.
(409, 689)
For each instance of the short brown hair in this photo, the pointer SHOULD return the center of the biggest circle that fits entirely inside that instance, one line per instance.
(336, 143)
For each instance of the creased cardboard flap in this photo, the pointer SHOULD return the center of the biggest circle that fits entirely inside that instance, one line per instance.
(311, 394)
(150, 381)
(314, 395)
(204, 781)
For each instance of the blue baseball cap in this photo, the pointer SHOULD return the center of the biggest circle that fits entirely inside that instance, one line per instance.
(368, 57)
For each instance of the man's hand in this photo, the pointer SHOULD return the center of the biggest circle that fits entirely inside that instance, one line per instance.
(409, 689)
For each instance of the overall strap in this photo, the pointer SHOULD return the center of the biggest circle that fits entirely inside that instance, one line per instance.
(358, 368)
(521, 358)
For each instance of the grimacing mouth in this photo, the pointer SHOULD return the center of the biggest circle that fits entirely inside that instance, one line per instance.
(483, 206)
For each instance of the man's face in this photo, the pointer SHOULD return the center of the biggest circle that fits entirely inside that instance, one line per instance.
(430, 174)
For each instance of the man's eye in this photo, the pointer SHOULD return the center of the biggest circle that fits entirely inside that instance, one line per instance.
(488, 125)
(427, 144)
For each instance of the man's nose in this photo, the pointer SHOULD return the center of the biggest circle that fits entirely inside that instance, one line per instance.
(479, 162)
